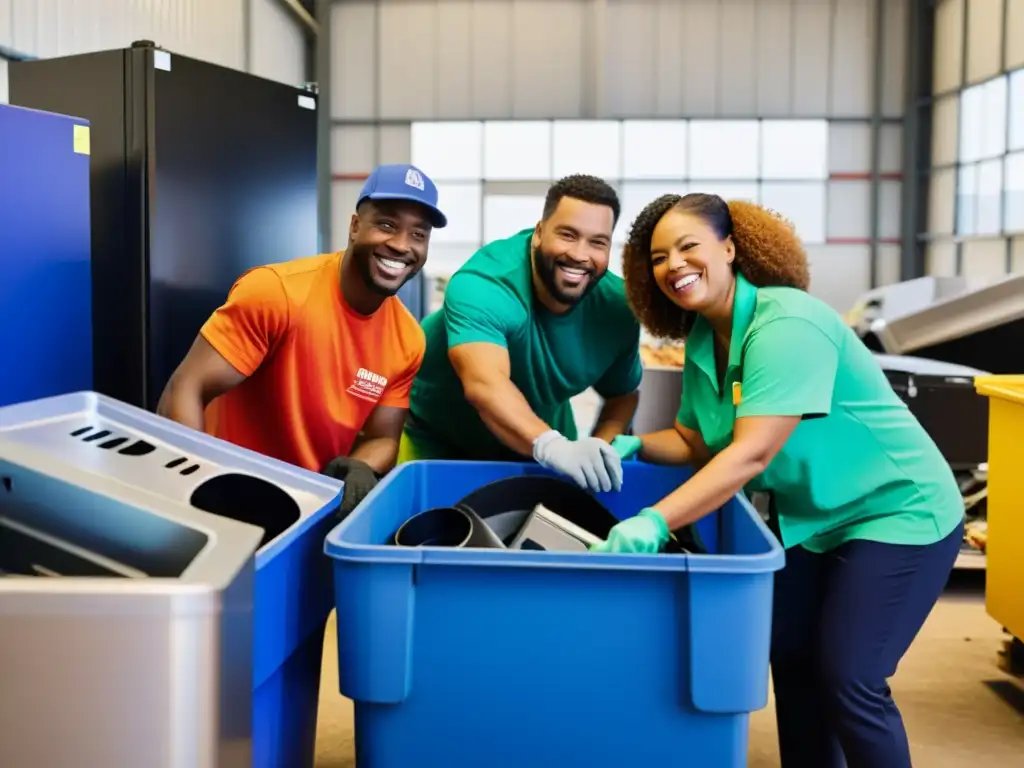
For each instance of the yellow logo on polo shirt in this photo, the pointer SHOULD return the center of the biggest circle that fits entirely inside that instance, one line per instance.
(737, 393)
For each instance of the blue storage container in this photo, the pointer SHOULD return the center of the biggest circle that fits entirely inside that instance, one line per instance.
(46, 287)
(293, 590)
(467, 658)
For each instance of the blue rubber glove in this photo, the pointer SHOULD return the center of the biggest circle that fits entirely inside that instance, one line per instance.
(627, 446)
(646, 533)
(590, 462)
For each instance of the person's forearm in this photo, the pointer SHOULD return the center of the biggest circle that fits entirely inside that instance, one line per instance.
(183, 405)
(379, 453)
(506, 413)
(665, 447)
(616, 413)
(711, 487)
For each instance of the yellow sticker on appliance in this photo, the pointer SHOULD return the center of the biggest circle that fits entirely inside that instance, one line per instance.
(737, 393)
(82, 139)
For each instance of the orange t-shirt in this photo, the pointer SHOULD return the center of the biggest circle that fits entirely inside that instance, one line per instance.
(316, 369)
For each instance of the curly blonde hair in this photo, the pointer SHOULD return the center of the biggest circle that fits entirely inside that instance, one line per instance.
(768, 253)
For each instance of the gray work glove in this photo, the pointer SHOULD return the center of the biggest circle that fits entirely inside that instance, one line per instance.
(590, 462)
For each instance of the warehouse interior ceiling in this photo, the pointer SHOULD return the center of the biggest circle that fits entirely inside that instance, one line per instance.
(454, 85)
(920, 109)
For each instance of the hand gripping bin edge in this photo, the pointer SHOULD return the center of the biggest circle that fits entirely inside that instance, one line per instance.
(138, 654)
(293, 589)
(506, 658)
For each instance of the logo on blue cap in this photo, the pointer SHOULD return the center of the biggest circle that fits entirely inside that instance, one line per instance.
(402, 181)
(414, 179)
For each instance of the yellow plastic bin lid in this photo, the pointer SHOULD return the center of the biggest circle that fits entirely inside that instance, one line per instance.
(1006, 387)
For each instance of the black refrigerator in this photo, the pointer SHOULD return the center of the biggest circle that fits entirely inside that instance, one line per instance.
(198, 173)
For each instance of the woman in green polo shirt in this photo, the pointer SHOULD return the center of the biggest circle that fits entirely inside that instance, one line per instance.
(780, 396)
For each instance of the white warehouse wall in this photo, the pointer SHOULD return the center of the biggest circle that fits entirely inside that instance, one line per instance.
(399, 61)
(211, 30)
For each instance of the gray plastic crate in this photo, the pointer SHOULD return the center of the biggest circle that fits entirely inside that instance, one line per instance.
(116, 451)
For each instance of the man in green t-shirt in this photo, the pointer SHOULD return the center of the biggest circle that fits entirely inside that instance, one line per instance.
(529, 322)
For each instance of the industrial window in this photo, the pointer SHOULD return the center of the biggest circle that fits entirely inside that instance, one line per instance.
(1016, 110)
(517, 150)
(504, 215)
(654, 149)
(725, 149)
(453, 151)
(794, 149)
(1013, 201)
(587, 146)
(634, 195)
(991, 126)
(492, 175)
(460, 202)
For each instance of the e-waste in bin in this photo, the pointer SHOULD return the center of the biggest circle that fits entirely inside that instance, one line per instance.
(163, 462)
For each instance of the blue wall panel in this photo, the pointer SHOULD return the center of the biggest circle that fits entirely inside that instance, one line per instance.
(45, 285)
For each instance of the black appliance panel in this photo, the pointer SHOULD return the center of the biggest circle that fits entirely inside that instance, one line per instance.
(235, 187)
(951, 412)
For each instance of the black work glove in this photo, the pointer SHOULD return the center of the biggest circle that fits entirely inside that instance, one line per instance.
(359, 480)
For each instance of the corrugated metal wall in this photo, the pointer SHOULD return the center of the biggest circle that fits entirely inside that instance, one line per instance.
(278, 44)
(976, 207)
(212, 30)
(397, 61)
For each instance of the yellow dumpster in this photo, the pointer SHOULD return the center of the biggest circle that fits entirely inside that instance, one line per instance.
(1004, 591)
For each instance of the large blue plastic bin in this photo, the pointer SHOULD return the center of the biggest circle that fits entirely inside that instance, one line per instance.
(293, 589)
(467, 658)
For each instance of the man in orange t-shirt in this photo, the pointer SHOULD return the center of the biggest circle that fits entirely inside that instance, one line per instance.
(311, 361)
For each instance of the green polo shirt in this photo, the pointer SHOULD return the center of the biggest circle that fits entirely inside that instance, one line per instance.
(859, 465)
(552, 357)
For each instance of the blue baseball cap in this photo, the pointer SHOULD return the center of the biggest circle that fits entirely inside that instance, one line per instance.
(402, 181)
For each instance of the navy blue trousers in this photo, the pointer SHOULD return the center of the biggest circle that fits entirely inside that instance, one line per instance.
(841, 623)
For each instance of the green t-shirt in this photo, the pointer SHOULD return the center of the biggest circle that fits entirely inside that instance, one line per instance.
(552, 357)
(859, 465)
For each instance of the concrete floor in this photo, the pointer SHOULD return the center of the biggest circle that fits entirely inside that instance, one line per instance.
(960, 709)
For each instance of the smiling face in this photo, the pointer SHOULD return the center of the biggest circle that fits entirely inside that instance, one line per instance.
(388, 241)
(690, 264)
(571, 248)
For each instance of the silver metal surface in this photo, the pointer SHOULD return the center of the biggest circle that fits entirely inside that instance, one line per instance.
(881, 305)
(149, 666)
(131, 645)
(553, 533)
(956, 317)
(47, 425)
(922, 366)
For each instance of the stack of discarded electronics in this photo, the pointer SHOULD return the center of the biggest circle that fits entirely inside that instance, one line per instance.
(933, 336)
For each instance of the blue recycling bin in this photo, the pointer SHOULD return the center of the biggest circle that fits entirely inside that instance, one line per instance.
(45, 288)
(507, 658)
(294, 507)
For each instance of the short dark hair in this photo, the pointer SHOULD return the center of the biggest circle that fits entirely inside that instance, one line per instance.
(768, 253)
(580, 186)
